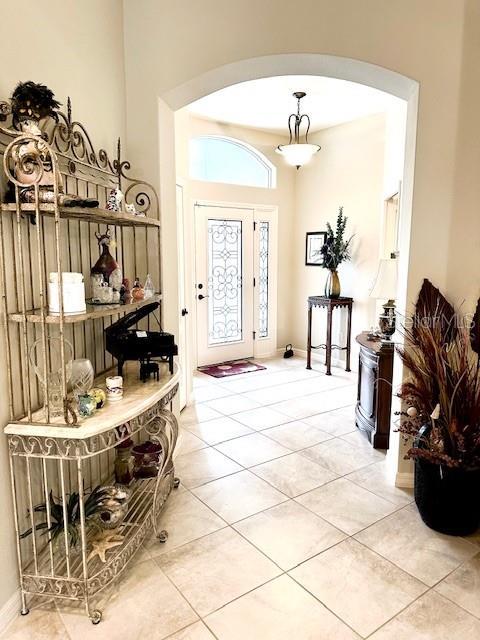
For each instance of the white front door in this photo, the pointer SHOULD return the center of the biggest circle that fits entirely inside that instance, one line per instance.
(224, 283)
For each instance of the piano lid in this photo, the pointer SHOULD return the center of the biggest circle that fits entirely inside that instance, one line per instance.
(130, 319)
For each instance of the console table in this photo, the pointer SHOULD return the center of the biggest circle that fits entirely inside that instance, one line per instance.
(330, 304)
(375, 371)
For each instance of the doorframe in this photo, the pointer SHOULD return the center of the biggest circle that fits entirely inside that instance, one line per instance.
(259, 345)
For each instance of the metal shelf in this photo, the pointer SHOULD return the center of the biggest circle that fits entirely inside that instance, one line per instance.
(60, 576)
(101, 216)
(93, 311)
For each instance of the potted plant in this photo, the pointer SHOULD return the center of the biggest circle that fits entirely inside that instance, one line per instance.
(441, 420)
(335, 251)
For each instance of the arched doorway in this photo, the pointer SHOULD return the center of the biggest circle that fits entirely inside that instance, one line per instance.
(335, 67)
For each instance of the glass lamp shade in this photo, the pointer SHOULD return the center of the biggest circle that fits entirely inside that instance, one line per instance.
(385, 287)
(297, 154)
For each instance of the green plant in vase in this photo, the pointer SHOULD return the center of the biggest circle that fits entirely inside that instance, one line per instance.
(335, 251)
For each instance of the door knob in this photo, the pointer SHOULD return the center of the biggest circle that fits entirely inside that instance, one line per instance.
(184, 312)
(201, 297)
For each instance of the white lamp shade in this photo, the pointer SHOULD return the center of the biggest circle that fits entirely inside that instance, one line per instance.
(385, 287)
(297, 154)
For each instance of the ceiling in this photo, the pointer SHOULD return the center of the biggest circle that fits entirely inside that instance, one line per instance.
(265, 104)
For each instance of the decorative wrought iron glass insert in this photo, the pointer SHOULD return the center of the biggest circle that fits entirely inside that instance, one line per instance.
(224, 281)
(263, 247)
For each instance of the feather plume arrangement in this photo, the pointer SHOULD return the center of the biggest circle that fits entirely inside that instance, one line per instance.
(442, 389)
(32, 98)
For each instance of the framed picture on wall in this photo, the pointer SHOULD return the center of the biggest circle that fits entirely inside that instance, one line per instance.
(313, 248)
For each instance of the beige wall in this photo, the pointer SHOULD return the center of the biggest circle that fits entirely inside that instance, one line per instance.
(76, 48)
(348, 172)
(282, 196)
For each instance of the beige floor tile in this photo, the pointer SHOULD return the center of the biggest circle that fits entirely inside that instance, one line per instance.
(360, 587)
(195, 413)
(202, 466)
(296, 435)
(232, 404)
(144, 605)
(214, 570)
(252, 449)
(279, 610)
(359, 439)
(289, 533)
(431, 617)
(219, 430)
(336, 423)
(239, 496)
(211, 392)
(293, 474)
(376, 478)
(346, 505)
(261, 418)
(341, 457)
(43, 623)
(187, 442)
(405, 540)
(463, 586)
(196, 631)
(185, 518)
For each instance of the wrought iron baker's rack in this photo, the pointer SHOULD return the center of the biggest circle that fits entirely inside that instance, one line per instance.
(65, 454)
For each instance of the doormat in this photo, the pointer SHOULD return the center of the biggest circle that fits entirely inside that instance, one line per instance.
(233, 368)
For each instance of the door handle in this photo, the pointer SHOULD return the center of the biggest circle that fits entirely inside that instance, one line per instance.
(184, 312)
(201, 297)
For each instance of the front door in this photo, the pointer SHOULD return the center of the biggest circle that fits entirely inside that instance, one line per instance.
(224, 283)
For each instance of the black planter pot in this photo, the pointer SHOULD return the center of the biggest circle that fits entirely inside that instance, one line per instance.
(448, 499)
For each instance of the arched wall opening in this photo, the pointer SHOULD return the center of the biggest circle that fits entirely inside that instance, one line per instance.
(341, 68)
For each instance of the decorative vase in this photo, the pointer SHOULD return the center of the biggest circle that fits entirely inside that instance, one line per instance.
(53, 382)
(332, 284)
(82, 376)
(106, 264)
(447, 498)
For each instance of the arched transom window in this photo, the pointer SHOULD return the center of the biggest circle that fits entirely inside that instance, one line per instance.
(220, 159)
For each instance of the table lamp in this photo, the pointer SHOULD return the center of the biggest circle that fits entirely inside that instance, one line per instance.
(385, 287)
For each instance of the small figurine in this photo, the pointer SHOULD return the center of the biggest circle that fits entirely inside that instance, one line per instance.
(149, 289)
(32, 103)
(130, 208)
(106, 264)
(114, 200)
(125, 295)
(138, 292)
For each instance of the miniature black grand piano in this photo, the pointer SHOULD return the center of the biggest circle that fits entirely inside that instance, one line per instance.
(127, 343)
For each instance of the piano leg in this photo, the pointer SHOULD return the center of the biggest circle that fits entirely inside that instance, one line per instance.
(170, 364)
(119, 367)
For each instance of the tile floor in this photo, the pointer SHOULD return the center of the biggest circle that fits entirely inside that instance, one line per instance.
(286, 527)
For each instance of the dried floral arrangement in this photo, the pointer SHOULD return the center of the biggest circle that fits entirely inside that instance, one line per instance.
(336, 249)
(442, 356)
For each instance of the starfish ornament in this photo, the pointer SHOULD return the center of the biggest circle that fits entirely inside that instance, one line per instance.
(104, 542)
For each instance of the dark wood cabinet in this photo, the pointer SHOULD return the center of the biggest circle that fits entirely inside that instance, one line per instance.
(374, 399)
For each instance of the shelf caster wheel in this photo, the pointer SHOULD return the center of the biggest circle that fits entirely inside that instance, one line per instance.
(176, 483)
(24, 612)
(96, 617)
(163, 536)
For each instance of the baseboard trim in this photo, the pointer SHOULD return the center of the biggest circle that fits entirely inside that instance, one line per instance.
(404, 480)
(9, 611)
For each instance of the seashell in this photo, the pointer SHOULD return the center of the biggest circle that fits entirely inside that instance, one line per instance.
(412, 412)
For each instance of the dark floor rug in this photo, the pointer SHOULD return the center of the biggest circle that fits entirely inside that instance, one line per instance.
(233, 368)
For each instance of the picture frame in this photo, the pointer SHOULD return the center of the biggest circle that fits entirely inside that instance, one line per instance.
(314, 241)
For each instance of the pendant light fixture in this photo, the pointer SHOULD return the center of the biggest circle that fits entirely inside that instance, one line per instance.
(295, 152)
